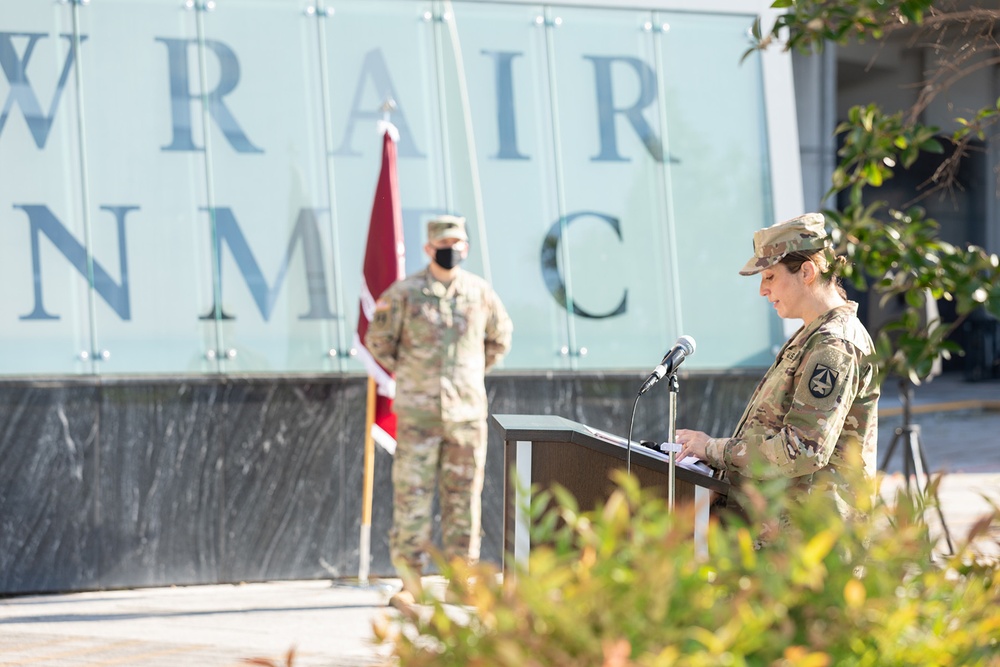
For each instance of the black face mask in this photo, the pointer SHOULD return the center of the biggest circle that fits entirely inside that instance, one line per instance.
(447, 258)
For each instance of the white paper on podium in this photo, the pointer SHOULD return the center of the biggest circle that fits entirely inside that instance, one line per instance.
(689, 462)
(611, 437)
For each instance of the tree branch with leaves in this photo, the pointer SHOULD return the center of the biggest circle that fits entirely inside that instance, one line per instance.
(899, 253)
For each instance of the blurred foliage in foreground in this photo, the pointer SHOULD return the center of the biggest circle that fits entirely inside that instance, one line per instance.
(622, 585)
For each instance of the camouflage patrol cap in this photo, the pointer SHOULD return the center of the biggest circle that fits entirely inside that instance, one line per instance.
(446, 227)
(770, 245)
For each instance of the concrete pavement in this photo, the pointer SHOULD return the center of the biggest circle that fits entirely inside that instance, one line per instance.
(957, 428)
(208, 626)
(331, 625)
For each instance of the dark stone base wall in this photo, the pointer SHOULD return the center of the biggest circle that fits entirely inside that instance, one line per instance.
(128, 483)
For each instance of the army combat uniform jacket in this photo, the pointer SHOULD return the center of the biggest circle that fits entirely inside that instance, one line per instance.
(439, 341)
(813, 416)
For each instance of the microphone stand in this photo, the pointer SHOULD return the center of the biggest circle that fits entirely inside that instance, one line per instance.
(628, 443)
(671, 435)
(681, 349)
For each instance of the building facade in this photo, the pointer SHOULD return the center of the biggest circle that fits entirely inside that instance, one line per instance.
(185, 190)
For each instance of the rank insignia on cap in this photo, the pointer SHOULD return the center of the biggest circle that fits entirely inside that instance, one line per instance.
(822, 381)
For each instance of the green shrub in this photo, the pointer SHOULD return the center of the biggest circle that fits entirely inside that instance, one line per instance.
(622, 585)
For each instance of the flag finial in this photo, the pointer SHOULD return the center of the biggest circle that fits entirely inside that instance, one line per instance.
(387, 108)
(385, 125)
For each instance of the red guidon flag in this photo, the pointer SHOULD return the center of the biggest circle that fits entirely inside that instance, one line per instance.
(384, 264)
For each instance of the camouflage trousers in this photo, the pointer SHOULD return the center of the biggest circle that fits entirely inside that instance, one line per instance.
(448, 457)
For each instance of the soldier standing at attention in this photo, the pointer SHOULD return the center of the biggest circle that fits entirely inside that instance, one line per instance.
(813, 417)
(439, 330)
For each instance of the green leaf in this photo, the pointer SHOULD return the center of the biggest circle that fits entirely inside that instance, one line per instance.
(839, 178)
(872, 173)
(818, 547)
(868, 121)
(932, 146)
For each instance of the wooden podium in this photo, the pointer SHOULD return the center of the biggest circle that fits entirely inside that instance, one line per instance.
(546, 449)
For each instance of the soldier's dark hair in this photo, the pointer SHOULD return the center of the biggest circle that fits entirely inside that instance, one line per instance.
(824, 260)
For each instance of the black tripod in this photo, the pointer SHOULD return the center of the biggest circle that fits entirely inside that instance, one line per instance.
(914, 462)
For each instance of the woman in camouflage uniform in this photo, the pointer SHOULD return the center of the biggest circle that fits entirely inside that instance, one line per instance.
(813, 417)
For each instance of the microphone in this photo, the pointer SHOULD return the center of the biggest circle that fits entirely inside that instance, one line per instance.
(683, 348)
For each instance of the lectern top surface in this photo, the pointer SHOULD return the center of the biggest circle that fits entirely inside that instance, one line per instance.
(556, 430)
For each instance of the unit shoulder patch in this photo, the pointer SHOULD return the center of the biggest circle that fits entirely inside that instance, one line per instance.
(823, 381)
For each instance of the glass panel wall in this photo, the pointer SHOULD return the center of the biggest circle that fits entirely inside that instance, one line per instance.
(504, 49)
(190, 190)
(269, 199)
(616, 227)
(146, 183)
(46, 309)
(720, 189)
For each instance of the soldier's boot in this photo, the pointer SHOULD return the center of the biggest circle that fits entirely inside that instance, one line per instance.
(461, 587)
(412, 591)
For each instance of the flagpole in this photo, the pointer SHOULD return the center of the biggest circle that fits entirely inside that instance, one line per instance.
(369, 484)
(383, 265)
(365, 542)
